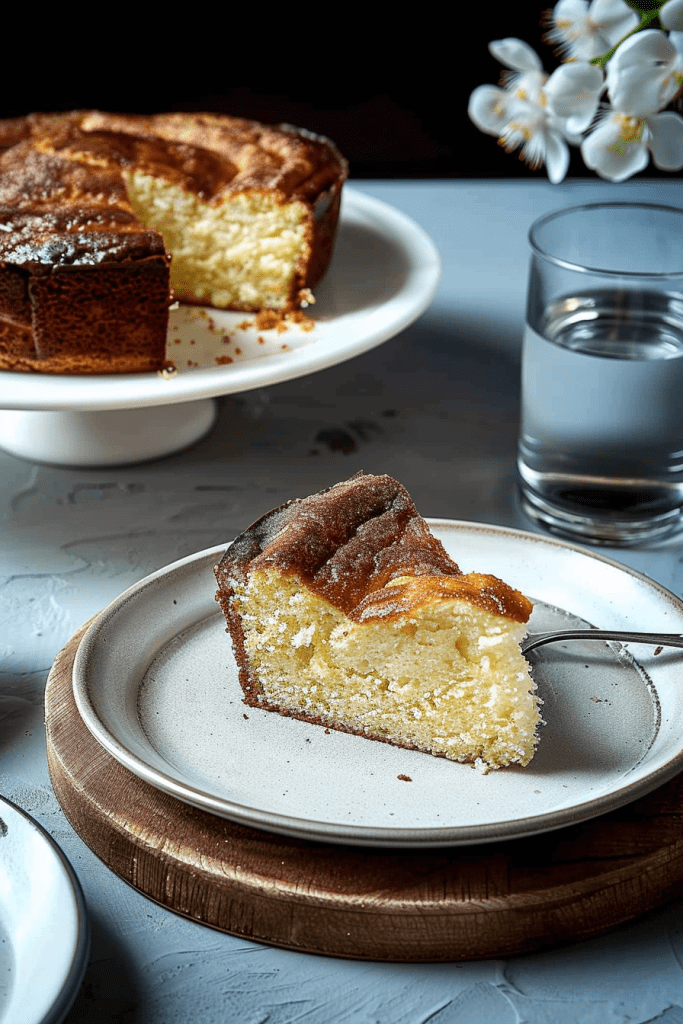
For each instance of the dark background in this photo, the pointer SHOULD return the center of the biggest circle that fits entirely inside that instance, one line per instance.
(390, 89)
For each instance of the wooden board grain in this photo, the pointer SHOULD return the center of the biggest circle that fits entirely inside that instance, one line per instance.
(462, 903)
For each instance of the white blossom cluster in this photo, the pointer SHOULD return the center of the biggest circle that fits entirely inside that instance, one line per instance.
(616, 116)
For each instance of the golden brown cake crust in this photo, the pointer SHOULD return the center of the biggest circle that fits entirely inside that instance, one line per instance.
(280, 158)
(354, 544)
(64, 210)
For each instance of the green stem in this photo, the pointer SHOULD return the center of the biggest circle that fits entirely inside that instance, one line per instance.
(645, 19)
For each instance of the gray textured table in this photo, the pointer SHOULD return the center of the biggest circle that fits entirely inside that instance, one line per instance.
(437, 407)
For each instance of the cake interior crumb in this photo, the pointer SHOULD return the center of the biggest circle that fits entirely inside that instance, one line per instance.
(241, 253)
(448, 679)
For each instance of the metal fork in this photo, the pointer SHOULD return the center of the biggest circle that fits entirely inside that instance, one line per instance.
(534, 640)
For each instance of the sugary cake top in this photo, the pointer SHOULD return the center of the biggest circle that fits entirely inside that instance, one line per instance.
(363, 546)
(63, 198)
(54, 212)
(212, 154)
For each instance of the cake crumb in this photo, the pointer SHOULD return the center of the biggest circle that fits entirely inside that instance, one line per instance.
(168, 370)
(270, 320)
(304, 322)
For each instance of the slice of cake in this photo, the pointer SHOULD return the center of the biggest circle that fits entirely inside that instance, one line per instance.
(345, 611)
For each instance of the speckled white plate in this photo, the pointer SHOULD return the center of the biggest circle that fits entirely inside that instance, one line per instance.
(44, 930)
(156, 683)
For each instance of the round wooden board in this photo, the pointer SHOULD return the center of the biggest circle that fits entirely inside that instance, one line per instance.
(464, 903)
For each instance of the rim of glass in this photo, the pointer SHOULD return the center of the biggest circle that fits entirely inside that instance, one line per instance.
(583, 207)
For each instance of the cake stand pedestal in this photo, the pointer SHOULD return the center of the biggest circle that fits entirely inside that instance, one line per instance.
(108, 437)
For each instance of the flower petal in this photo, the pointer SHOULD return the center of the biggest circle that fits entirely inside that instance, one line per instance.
(570, 13)
(666, 140)
(614, 17)
(641, 76)
(616, 150)
(676, 40)
(489, 109)
(573, 91)
(651, 46)
(515, 54)
(671, 15)
(556, 157)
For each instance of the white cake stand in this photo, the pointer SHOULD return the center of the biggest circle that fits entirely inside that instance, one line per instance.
(384, 274)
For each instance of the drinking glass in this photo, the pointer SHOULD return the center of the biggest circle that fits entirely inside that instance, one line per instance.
(600, 455)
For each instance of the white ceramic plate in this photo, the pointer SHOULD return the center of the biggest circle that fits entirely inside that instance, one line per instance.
(44, 931)
(383, 275)
(156, 683)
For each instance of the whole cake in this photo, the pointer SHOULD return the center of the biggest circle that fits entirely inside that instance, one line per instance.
(345, 611)
(105, 219)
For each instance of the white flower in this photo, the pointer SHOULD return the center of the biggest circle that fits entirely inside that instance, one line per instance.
(621, 144)
(584, 32)
(671, 15)
(646, 72)
(536, 112)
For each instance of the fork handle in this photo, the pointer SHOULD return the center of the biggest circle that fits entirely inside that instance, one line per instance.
(656, 639)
